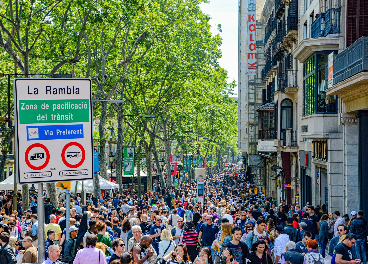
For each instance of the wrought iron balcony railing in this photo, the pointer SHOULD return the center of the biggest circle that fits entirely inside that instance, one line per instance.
(270, 27)
(317, 26)
(279, 8)
(326, 23)
(289, 137)
(351, 61)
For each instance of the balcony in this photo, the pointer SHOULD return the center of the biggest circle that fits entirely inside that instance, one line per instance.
(279, 8)
(289, 138)
(270, 27)
(326, 23)
(291, 82)
(317, 26)
(271, 62)
(291, 24)
(350, 76)
(351, 61)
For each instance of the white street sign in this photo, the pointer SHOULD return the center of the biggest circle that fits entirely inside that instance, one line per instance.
(53, 121)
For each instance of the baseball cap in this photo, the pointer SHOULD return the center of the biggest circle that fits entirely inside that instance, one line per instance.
(73, 228)
(353, 213)
(29, 211)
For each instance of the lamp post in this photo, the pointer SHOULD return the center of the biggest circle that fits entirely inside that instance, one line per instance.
(111, 160)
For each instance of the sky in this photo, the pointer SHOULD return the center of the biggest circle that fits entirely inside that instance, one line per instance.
(226, 13)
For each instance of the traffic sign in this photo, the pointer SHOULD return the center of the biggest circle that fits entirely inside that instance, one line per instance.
(53, 123)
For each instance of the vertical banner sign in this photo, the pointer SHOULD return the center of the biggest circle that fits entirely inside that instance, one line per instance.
(330, 70)
(96, 167)
(53, 130)
(252, 49)
(128, 160)
(174, 164)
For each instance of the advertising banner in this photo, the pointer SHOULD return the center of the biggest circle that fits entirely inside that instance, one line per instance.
(252, 48)
(96, 167)
(330, 70)
(129, 160)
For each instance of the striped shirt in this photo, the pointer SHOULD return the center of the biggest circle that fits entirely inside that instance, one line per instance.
(190, 238)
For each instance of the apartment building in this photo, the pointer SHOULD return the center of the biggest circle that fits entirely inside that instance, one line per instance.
(314, 111)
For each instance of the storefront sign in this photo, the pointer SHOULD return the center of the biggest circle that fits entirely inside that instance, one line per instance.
(252, 49)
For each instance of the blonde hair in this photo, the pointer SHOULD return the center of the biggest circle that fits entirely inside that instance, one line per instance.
(226, 231)
(12, 241)
(101, 246)
(166, 235)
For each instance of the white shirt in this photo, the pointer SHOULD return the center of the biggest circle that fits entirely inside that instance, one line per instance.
(339, 221)
(280, 245)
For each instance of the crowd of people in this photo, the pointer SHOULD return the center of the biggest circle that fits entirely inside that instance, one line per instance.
(232, 225)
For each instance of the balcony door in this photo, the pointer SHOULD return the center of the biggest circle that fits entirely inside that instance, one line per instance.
(286, 117)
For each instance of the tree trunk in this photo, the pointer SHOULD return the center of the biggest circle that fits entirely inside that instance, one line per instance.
(149, 166)
(96, 186)
(102, 152)
(25, 197)
(51, 193)
(139, 180)
(159, 171)
(167, 143)
(76, 188)
(119, 149)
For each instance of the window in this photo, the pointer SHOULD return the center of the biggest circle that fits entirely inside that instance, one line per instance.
(305, 35)
(314, 86)
(286, 117)
(267, 131)
(286, 114)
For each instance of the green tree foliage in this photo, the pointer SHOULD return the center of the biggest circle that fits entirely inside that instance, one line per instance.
(157, 57)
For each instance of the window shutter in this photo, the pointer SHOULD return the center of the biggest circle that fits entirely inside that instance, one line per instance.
(357, 20)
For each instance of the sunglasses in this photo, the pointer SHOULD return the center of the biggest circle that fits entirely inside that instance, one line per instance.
(340, 230)
(122, 245)
(158, 220)
(180, 221)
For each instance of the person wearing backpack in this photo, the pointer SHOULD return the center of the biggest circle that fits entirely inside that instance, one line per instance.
(313, 256)
(71, 245)
(166, 245)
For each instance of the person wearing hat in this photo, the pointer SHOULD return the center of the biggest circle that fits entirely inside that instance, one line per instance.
(280, 243)
(359, 228)
(71, 245)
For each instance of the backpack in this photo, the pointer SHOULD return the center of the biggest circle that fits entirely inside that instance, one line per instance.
(116, 233)
(319, 261)
(333, 260)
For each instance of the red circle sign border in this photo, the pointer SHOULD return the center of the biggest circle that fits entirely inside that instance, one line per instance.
(63, 155)
(39, 145)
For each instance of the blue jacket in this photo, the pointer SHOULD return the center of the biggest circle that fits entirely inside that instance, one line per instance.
(359, 227)
(333, 244)
(323, 231)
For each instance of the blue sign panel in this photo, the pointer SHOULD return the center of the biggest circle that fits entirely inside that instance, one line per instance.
(96, 165)
(53, 132)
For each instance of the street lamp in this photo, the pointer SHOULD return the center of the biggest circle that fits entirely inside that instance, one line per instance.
(111, 160)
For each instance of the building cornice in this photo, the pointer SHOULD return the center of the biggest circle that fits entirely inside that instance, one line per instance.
(307, 47)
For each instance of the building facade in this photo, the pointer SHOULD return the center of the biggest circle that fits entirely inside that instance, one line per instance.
(313, 117)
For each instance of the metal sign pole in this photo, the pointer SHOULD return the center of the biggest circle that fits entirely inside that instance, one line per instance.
(41, 224)
(67, 216)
